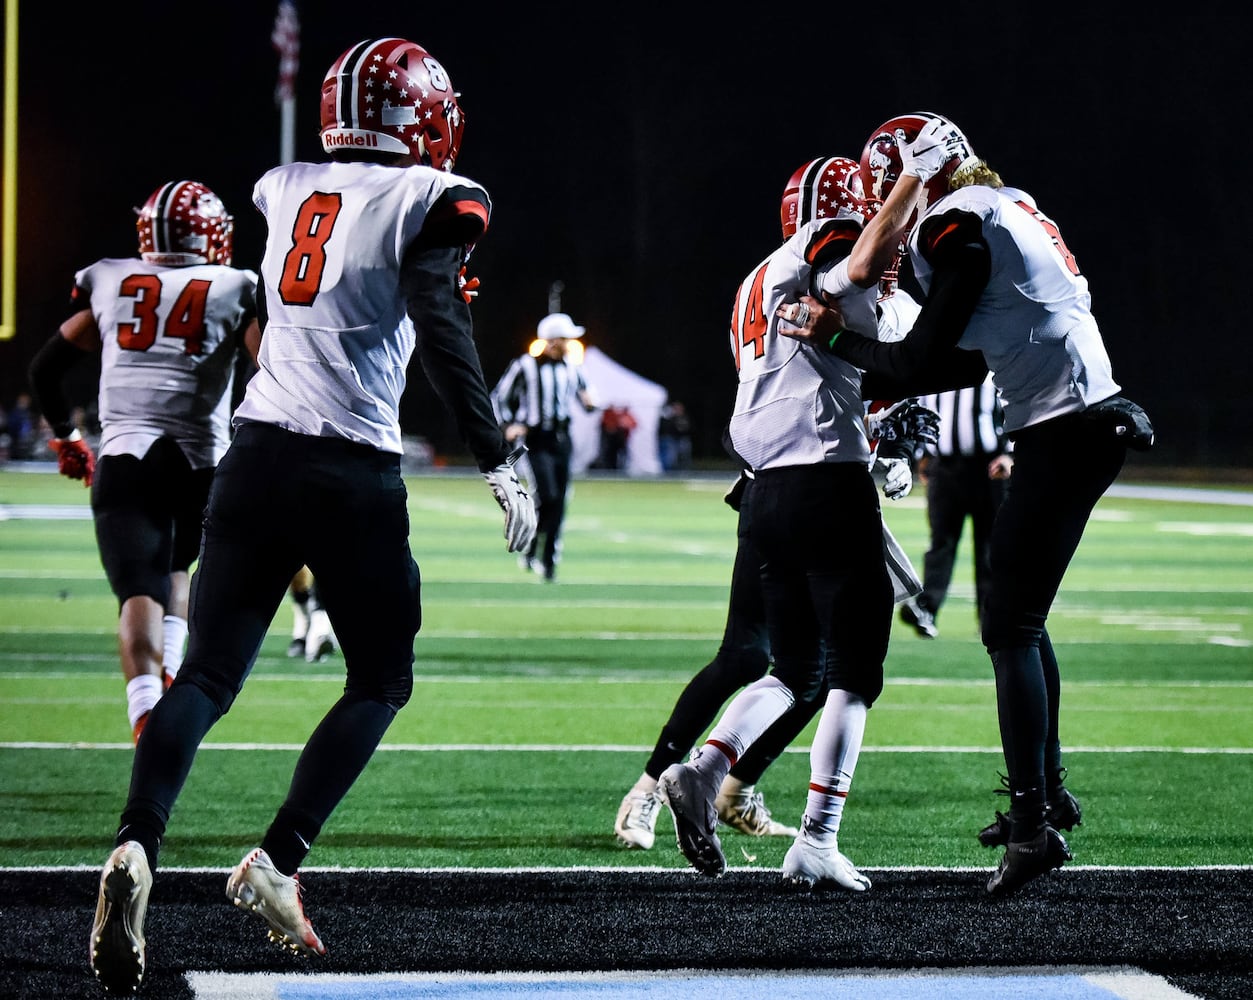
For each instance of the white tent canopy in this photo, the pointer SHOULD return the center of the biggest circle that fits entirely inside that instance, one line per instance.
(614, 385)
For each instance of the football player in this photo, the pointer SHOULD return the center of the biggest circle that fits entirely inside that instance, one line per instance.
(312, 637)
(360, 272)
(1003, 293)
(169, 327)
(816, 529)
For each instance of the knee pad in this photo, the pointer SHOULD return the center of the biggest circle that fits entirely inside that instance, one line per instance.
(393, 691)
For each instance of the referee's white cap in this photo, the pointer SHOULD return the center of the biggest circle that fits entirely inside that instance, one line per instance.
(558, 325)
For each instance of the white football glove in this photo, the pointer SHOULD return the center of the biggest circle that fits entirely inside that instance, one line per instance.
(936, 144)
(515, 501)
(898, 478)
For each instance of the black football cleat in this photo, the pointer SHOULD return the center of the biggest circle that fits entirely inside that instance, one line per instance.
(1063, 813)
(1028, 859)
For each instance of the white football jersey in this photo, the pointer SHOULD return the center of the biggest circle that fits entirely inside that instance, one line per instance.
(1034, 322)
(795, 405)
(337, 340)
(169, 342)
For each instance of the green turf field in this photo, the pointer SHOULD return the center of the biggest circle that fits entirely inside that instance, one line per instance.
(535, 704)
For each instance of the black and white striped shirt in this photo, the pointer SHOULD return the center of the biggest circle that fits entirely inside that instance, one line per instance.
(538, 392)
(971, 421)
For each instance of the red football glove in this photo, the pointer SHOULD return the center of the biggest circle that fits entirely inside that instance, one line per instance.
(74, 457)
(469, 287)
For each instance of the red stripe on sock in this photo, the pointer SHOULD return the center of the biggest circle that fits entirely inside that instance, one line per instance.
(726, 750)
(824, 790)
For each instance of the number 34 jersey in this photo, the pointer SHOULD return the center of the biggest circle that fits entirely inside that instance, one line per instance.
(169, 341)
(337, 339)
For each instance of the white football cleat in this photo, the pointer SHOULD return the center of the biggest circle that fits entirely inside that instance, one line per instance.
(807, 864)
(258, 886)
(118, 949)
(743, 808)
(636, 824)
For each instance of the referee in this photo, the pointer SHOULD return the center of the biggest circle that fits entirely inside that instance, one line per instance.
(966, 474)
(533, 401)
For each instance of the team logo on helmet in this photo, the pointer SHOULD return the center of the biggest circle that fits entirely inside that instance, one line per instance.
(881, 157)
(393, 96)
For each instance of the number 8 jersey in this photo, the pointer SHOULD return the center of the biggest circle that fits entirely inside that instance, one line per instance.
(337, 339)
(1033, 323)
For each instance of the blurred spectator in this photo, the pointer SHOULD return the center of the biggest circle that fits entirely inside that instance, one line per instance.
(616, 425)
(21, 423)
(674, 437)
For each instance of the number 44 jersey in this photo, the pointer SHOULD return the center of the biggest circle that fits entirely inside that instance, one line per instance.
(337, 339)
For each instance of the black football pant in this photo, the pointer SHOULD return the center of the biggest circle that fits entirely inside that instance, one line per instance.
(958, 488)
(279, 501)
(549, 454)
(827, 593)
(1061, 469)
(147, 513)
(743, 657)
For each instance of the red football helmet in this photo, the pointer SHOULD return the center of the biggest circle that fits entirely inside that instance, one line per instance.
(818, 189)
(183, 222)
(881, 159)
(390, 95)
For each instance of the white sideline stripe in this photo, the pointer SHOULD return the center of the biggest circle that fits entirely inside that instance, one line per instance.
(1068, 982)
(615, 869)
(604, 748)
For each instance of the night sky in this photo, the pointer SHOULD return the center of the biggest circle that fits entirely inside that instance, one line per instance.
(638, 155)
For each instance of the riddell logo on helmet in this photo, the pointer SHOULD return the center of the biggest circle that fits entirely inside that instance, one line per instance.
(349, 137)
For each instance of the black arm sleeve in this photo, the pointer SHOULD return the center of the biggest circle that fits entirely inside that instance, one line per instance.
(446, 349)
(928, 359)
(47, 371)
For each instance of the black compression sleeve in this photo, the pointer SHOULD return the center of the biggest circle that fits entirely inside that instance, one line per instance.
(447, 351)
(928, 356)
(47, 370)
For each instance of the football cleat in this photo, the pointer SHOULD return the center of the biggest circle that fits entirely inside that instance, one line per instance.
(922, 620)
(1028, 859)
(745, 810)
(320, 640)
(258, 886)
(118, 948)
(139, 727)
(1062, 812)
(690, 798)
(637, 819)
(808, 864)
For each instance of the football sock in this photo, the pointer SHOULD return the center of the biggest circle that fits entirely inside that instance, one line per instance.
(289, 839)
(646, 783)
(832, 761)
(174, 632)
(142, 694)
(300, 614)
(750, 714)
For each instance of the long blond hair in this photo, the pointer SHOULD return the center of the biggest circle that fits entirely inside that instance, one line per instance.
(977, 173)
